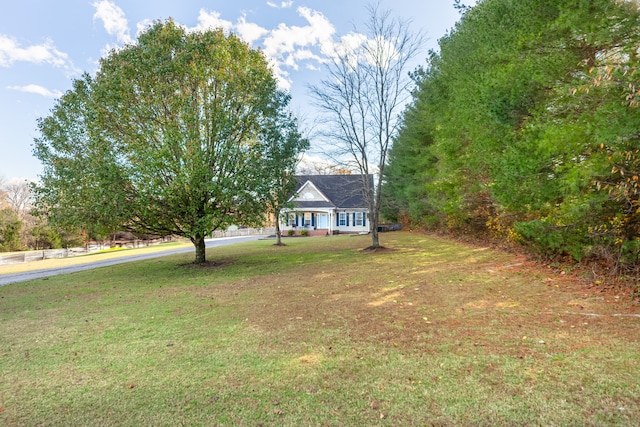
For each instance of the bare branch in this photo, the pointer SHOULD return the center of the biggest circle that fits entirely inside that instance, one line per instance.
(361, 99)
(17, 195)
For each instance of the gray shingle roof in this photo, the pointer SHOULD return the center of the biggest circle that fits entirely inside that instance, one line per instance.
(344, 191)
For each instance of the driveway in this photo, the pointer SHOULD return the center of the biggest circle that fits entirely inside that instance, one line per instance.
(6, 279)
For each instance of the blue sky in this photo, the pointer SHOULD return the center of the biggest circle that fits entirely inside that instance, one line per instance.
(45, 44)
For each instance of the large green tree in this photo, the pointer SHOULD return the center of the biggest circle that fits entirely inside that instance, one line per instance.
(167, 138)
(525, 125)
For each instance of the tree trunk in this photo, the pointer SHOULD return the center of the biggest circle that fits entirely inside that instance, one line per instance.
(278, 231)
(375, 241)
(198, 242)
(375, 220)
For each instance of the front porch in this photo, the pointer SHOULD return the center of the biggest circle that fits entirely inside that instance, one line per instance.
(319, 222)
(308, 222)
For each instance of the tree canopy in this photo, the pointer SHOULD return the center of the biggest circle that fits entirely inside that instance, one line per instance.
(284, 143)
(525, 127)
(168, 137)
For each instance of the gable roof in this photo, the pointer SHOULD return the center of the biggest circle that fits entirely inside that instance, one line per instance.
(343, 191)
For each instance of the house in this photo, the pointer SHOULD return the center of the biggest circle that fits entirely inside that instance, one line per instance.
(328, 204)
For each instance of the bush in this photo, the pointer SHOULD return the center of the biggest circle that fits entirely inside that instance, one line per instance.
(304, 232)
(290, 233)
(10, 228)
(549, 240)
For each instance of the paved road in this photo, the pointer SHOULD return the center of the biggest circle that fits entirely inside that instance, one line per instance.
(6, 279)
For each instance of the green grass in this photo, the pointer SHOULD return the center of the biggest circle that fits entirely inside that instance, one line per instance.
(318, 332)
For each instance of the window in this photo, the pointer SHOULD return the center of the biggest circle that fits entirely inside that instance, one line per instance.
(359, 216)
(343, 219)
(307, 219)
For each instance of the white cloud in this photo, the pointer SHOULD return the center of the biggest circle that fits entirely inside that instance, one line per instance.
(143, 25)
(113, 19)
(288, 46)
(249, 31)
(349, 43)
(305, 54)
(322, 30)
(285, 40)
(282, 5)
(211, 20)
(281, 75)
(46, 53)
(285, 46)
(38, 90)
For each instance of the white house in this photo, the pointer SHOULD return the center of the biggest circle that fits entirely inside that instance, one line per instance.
(328, 204)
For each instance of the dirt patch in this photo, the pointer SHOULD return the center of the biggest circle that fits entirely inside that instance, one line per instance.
(376, 250)
(218, 263)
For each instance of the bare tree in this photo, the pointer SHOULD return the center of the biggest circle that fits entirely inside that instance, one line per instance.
(313, 165)
(18, 196)
(367, 86)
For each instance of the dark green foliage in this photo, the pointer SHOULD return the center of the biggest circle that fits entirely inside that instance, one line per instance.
(409, 156)
(45, 237)
(283, 145)
(10, 226)
(526, 126)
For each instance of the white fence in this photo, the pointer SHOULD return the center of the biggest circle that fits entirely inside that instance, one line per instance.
(267, 231)
(28, 256)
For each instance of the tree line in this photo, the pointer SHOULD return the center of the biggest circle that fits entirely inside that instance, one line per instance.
(20, 229)
(525, 127)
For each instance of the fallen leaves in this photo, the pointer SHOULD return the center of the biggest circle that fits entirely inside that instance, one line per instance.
(375, 405)
(277, 411)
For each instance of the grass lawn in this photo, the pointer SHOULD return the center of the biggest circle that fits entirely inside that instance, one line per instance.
(426, 332)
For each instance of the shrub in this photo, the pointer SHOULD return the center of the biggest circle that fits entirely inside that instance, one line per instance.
(548, 239)
(304, 232)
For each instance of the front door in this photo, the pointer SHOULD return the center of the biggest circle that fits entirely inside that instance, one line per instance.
(322, 221)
